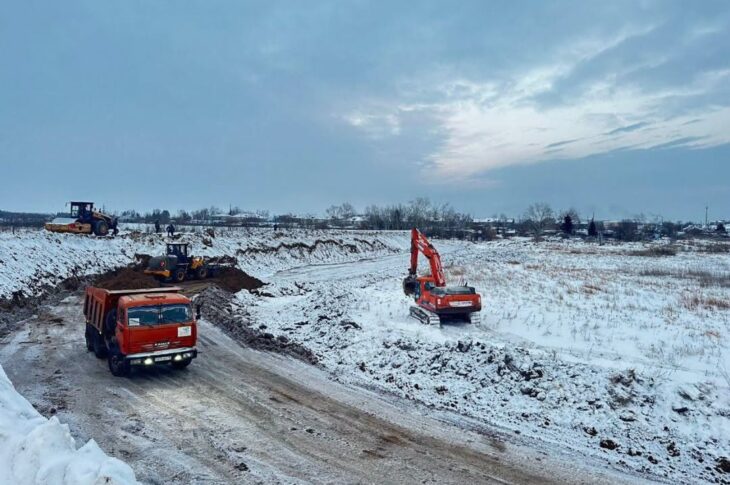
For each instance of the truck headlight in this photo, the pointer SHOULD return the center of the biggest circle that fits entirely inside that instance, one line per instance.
(148, 361)
(178, 357)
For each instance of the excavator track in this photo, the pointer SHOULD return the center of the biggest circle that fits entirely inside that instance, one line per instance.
(425, 316)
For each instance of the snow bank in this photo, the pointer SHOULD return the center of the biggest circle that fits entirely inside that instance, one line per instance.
(31, 261)
(36, 450)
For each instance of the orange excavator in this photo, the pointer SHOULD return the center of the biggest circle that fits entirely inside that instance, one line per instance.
(437, 303)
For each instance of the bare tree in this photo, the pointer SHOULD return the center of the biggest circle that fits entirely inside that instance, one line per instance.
(333, 212)
(539, 217)
(340, 214)
(347, 211)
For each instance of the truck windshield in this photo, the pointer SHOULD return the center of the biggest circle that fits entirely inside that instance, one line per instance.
(453, 290)
(157, 315)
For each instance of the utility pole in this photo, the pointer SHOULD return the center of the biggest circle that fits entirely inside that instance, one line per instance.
(707, 208)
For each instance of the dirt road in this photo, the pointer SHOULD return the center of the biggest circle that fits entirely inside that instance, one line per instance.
(241, 416)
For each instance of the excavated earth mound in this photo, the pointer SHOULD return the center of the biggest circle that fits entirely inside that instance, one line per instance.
(233, 280)
(126, 279)
(133, 278)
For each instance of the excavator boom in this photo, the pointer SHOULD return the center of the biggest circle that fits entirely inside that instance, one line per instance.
(419, 244)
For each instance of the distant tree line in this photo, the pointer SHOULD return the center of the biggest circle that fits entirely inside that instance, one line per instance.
(204, 215)
(23, 219)
(540, 220)
(436, 220)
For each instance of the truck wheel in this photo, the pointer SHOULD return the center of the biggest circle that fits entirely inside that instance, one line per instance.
(118, 365)
(181, 364)
(101, 228)
(180, 275)
(89, 337)
(201, 273)
(99, 345)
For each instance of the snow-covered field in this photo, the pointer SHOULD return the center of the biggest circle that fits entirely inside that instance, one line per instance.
(615, 352)
(611, 351)
(37, 450)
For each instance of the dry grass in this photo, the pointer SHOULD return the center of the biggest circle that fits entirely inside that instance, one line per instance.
(717, 248)
(583, 251)
(654, 252)
(591, 289)
(696, 301)
(457, 270)
(706, 279)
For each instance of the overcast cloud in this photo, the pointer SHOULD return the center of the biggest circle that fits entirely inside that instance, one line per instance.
(614, 107)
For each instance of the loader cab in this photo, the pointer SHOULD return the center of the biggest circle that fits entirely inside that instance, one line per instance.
(178, 249)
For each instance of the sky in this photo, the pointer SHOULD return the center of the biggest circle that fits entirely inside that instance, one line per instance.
(615, 108)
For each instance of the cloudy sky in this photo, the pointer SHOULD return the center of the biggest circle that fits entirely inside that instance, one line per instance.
(616, 108)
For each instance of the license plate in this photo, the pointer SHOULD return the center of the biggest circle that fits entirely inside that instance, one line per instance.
(184, 331)
(163, 358)
(460, 303)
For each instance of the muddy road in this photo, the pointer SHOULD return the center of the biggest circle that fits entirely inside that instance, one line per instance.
(242, 416)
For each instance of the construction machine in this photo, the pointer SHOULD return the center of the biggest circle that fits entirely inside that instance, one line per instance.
(178, 265)
(436, 302)
(83, 219)
(140, 327)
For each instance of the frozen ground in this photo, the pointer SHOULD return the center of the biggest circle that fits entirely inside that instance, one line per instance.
(241, 416)
(611, 351)
(612, 354)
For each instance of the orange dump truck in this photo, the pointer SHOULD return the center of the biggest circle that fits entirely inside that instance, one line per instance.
(140, 327)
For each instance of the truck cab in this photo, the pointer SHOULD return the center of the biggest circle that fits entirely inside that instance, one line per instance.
(140, 327)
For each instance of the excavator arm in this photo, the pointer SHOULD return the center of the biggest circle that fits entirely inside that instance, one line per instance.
(419, 244)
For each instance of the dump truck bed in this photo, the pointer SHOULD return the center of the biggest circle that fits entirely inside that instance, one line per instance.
(99, 301)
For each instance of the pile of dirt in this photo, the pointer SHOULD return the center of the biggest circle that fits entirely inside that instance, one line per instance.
(234, 280)
(126, 279)
(216, 308)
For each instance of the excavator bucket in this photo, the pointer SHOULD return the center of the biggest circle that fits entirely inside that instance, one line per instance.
(410, 283)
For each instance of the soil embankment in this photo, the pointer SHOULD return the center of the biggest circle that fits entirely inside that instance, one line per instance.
(133, 278)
